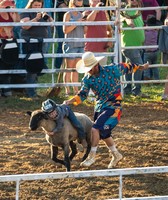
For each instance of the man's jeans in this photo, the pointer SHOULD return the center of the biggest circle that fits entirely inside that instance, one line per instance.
(59, 60)
(133, 56)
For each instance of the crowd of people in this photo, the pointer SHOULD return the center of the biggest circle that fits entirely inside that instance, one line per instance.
(133, 18)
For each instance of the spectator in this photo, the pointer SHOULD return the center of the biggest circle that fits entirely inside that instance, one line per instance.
(59, 29)
(108, 109)
(98, 31)
(130, 38)
(73, 31)
(151, 55)
(37, 32)
(155, 12)
(6, 33)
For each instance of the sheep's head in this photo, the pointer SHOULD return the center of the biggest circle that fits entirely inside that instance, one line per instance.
(35, 119)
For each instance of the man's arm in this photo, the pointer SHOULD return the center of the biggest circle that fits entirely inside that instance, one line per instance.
(126, 68)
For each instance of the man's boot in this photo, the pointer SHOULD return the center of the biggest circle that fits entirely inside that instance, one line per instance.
(116, 157)
(89, 160)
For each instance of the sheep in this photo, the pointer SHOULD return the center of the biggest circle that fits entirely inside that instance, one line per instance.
(64, 138)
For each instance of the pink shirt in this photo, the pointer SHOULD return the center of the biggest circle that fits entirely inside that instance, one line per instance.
(98, 31)
(2, 32)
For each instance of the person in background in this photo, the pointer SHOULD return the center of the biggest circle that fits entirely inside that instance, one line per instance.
(106, 85)
(151, 55)
(98, 31)
(59, 29)
(130, 38)
(156, 12)
(73, 31)
(36, 32)
(6, 33)
(57, 113)
(17, 29)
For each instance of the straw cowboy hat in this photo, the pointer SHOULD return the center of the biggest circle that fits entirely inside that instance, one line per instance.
(88, 62)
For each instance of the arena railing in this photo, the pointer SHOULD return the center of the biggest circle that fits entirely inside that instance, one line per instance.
(115, 39)
(90, 173)
(52, 70)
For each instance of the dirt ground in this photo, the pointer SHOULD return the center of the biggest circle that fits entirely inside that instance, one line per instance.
(141, 136)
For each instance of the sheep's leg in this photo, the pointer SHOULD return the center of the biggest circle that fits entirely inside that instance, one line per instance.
(54, 153)
(87, 152)
(73, 150)
(66, 157)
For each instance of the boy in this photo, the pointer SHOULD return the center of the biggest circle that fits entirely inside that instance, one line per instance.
(57, 113)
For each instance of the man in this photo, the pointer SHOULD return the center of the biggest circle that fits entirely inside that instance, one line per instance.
(105, 83)
(130, 38)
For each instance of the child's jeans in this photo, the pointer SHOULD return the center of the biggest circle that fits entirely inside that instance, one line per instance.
(76, 123)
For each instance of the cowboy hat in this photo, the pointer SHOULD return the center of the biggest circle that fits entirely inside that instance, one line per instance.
(88, 62)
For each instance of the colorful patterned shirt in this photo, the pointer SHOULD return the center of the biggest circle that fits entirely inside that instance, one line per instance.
(106, 85)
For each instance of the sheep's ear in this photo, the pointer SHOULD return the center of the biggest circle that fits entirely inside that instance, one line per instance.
(29, 113)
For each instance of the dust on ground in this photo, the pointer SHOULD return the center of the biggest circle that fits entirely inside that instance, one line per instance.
(141, 136)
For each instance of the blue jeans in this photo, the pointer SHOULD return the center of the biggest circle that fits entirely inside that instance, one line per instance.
(133, 56)
(59, 60)
(31, 78)
(76, 123)
(151, 57)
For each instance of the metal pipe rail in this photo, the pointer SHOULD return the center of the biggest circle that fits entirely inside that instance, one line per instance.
(84, 174)
(22, 10)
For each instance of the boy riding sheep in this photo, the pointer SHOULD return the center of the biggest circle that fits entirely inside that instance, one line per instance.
(58, 112)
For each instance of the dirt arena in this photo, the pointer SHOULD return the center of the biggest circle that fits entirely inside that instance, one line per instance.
(141, 136)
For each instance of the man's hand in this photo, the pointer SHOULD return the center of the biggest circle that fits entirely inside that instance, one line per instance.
(66, 102)
(144, 66)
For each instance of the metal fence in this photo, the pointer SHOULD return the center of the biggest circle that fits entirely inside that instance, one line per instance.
(116, 54)
(93, 173)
